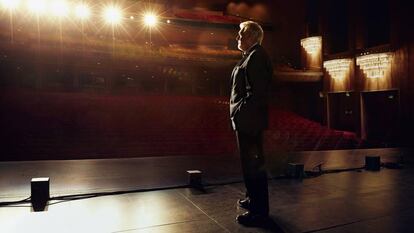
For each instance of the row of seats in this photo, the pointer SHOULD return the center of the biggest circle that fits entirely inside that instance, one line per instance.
(56, 125)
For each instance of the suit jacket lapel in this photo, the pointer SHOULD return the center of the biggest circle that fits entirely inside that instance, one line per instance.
(234, 73)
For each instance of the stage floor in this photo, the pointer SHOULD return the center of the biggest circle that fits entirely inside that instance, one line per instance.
(353, 201)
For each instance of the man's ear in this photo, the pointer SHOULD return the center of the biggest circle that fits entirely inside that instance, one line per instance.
(252, 39)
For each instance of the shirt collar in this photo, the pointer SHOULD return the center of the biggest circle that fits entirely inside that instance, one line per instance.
(250, 49)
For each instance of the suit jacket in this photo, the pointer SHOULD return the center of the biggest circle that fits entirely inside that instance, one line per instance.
(250, 82)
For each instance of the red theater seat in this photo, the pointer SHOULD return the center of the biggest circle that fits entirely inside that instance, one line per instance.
(47, 125)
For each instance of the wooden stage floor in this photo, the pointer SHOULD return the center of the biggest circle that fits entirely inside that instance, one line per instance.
(352, 201)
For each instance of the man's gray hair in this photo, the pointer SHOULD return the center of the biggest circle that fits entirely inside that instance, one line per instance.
(254, 29)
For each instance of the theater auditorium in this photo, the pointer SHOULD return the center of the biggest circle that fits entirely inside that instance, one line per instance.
(114, 116)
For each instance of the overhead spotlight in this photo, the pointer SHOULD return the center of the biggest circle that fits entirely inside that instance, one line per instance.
(150, 19)
(113, 15)
(82, 11)
(37, 6)
(59, 8)
(10, 4)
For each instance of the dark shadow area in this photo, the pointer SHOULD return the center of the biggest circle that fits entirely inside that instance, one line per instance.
(40, 205)
(272, 226)
(382, 114)
(268, 225)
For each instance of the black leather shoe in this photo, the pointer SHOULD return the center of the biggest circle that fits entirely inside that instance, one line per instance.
(252, 219)
(244, 203)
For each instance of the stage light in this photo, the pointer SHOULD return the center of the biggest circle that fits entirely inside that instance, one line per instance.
(37, 6)
(82, 11)
(113, 15)
(59, 8)
(10, 4)
(150, 19)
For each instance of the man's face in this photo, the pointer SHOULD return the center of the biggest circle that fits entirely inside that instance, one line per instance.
(244, 40)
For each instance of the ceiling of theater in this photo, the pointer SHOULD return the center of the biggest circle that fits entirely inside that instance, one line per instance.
(209, 27)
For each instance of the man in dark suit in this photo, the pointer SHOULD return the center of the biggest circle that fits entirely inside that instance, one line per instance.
(250, 81)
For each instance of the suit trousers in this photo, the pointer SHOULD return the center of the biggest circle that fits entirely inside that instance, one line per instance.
(254, 172)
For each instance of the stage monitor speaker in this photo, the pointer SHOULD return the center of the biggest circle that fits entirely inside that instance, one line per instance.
(295, 170)
(40, 192)
(372, 163)
(195, 178)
